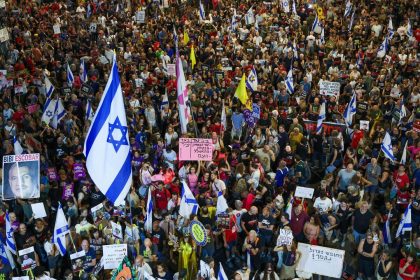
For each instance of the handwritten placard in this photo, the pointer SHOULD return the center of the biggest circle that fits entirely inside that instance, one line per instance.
(285, 237)
(171, 69)
(304, 192)
(320, 260)
(195, 149)
(329, 88)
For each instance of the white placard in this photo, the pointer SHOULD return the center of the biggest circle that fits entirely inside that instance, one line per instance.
(329, 88)
(320, 260)
(2, 4)
(4, 35)
(39, 210)
(56, 28)
(77, 255)
(96, 208)
(92, 27)
(103, 59)
(113, 255)
(21, 278)
(117, 230)
(140, 16)
(171, 69)
(285, 237)
(364, 125)
(109, 54)
(304, 192)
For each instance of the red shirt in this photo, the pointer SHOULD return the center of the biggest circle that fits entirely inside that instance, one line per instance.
(356, 138)
(401, 180)
(161, 197)
(409, 270)
(231, 233)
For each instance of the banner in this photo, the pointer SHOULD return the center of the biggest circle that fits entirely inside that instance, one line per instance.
(196, 149)
(285, 237)
(304, 192)
(68, 191)
(329, 88)
(27, 258)
(52, 174)
(198, 233)
(328, 127)
(113, 255)
(320, 260)
(20, 176)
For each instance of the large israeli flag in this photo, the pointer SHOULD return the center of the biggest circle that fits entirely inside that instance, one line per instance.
(188, 203)
(61, 228)
(321, 118)
(107, 149)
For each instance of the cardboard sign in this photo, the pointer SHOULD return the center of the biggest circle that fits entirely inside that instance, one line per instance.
(4, 35)
(304, 192)
(78, 260)
(113, 255)
(38, 210)
(140, 16)
(21, 173)
(329, 88)
(195, 149)
(256, 111)
(364, 125)
(52, 174)
(68, 191)
(285, 237)
(171, 69)
(320, 260)
(56, 29)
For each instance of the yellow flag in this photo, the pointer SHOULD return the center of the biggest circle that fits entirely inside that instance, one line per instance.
(192, 57)
(186, 37)
(241, 93)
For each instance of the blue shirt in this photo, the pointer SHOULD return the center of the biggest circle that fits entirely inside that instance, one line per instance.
(280, 175)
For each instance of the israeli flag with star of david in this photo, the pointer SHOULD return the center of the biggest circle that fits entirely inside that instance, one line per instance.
(107, 148)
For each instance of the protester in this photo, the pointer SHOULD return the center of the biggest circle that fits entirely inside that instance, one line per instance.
(320, 95)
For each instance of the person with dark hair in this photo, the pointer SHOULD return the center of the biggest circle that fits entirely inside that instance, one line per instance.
(268, 273)
(23, 182)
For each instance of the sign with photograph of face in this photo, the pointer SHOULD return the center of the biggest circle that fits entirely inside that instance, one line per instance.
(21, 176)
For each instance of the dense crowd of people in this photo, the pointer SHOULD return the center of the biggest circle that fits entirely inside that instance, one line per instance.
(257, 161)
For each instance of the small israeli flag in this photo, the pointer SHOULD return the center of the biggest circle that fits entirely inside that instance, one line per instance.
(350, 110)
(409, 29)
(49, 88)
(382, 48)
(222, 275)
(390, 29)
(347, 11)
(70, 76)
(148, 222)
(61, 228)
(202, 12)
(59, 113)
(188, 203)
(316, 23)
(322, 38)
(321, 118)
(89, 111)
(107, 142)
(289, 82)
(386, 232)
(405, 223)
(351, 20)
(10, 241)
(294, 7)
(252, 80)
(386, 147)
(17, 146)
(83, 70)
(249, 16)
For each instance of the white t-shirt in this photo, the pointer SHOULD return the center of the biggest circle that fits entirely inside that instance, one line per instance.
(322, 204)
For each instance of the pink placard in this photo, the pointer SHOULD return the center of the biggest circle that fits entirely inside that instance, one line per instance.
(32, 108)
(196, 149)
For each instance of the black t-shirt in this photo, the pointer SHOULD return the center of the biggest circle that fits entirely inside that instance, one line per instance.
(266, 222)
(96, 197)
(362, 221)
(415, 203)
(250, 221)
(158, 237)
(6, 272)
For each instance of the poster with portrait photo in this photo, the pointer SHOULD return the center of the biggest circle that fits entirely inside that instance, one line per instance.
(27, 258)
(20, 176)
(77, 261)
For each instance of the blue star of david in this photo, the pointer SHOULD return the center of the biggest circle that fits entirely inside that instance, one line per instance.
(115, 142)
(49, 113)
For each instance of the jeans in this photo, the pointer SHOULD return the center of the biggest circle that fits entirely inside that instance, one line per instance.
(280, 260)
(358, 236)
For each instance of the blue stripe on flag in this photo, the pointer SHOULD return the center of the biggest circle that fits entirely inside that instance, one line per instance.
(104, 110)
(120, 180)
